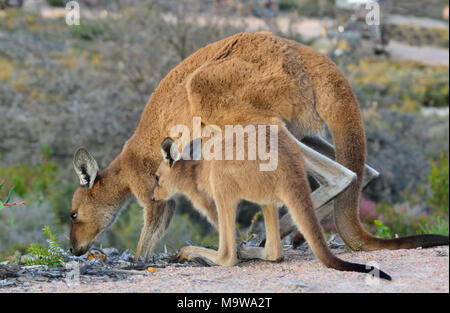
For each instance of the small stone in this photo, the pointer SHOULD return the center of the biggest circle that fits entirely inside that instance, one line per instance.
(7, 283)
(10, 270)
(441, 253)
(297, 286)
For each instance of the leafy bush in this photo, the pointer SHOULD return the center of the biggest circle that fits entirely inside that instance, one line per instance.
(438, 226)
(430, 216)
(383, 231)
(39, 255)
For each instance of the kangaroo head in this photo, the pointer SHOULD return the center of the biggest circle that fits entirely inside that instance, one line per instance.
(165, 175)
(93, 209)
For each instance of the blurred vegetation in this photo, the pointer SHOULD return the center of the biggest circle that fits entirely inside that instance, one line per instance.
(438, 184)
(64, 87)
(57, 3)
(399, 85)
(6, 203)
(430, 8)
(308, 7)
(420, 36)
(425, 212)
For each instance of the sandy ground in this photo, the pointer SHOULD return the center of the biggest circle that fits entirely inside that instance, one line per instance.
(420, 270)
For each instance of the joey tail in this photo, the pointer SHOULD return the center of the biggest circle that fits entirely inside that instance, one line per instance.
(302, 211)
(339, 109)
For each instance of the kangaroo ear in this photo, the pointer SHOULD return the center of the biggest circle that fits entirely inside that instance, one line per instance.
(169, 151)
(86, 167)
(193, 150)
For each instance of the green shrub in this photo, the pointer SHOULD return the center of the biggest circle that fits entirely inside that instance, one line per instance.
(400, 219)
(383, 231)
(438, 178)
(438, 226)
(396, 220)
(39, 255)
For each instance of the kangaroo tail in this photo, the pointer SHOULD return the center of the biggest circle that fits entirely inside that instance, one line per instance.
(339, 109)
(295, 193)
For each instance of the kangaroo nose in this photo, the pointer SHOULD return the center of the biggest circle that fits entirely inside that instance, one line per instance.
(70, 250)
(152, 198)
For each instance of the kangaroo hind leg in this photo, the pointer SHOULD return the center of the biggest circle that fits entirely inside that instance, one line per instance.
(332, 177)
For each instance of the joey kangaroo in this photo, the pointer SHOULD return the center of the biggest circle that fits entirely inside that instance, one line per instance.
(226, 182)
(242, 79)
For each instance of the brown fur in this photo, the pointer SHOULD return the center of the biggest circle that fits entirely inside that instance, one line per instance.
(245, 78)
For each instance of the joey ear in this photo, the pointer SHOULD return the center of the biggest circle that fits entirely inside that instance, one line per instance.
(193, 150)
(86, 167)
(169, 151)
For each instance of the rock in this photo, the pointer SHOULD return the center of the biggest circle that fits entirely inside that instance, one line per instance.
(297, 286)
(10, 270)
(7, 283)
(441, 253)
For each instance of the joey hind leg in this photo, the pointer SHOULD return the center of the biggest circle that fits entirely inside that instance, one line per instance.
(322, 146)
(332, 178)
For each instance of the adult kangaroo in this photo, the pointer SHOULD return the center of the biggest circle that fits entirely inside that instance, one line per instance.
(242, 79)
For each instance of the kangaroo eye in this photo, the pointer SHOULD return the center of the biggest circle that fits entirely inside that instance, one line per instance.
(73, 216)
(157, 178)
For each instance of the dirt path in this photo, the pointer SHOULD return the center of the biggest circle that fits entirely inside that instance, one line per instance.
(420, 270)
